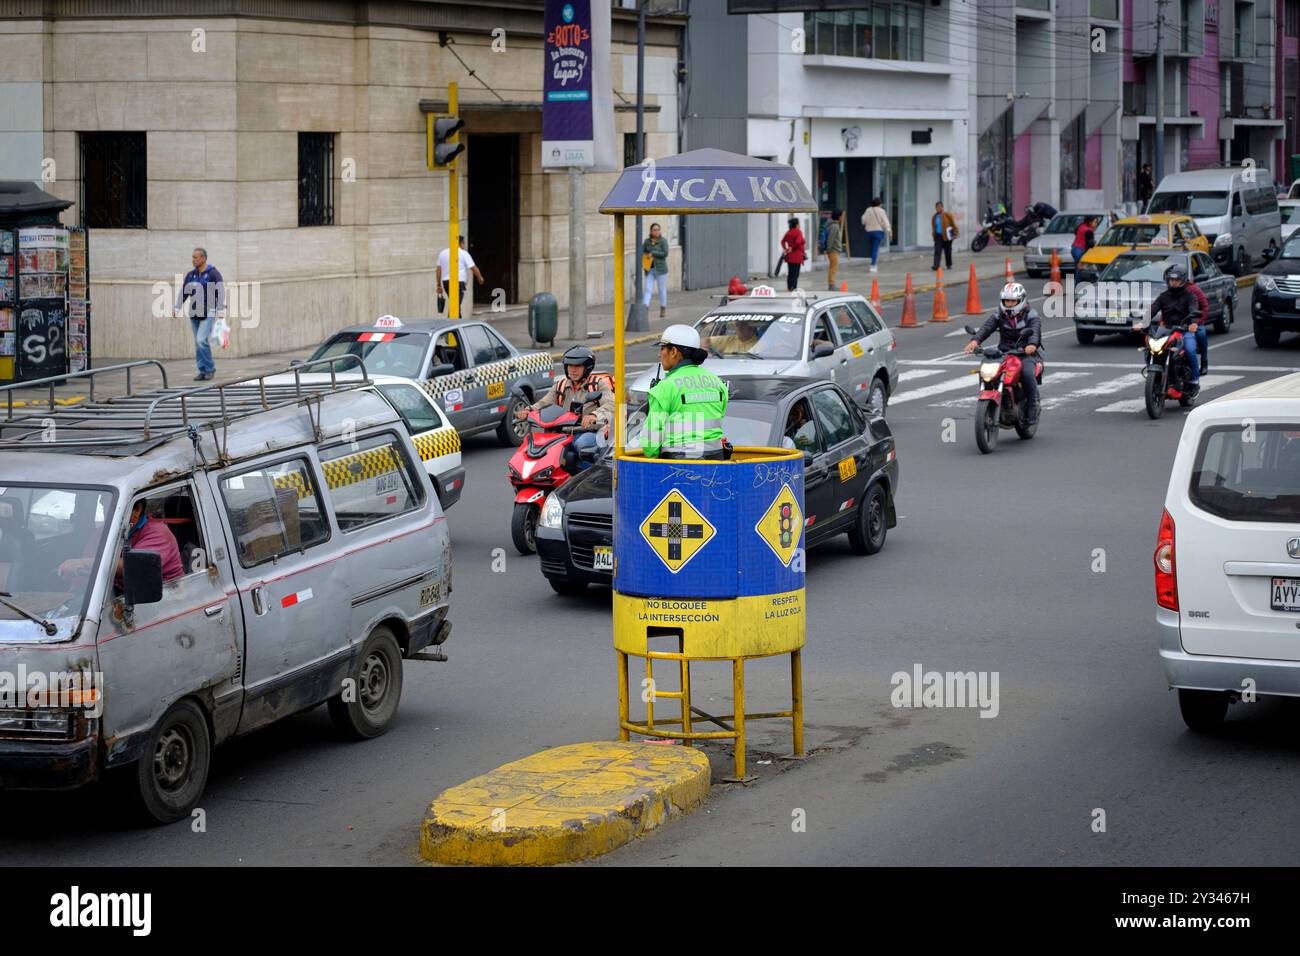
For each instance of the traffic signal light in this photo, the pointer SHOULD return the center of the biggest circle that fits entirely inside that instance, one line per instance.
(446, 141)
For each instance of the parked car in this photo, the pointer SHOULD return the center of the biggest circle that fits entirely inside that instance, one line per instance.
(1235, 207)
(850, 476)
(1275, 300)
(1115, 303)
(1059, 235)
(836, 337)
(1289, 211)
(293, 551)
(467, 367)
(1227, 558)
(1135, 232)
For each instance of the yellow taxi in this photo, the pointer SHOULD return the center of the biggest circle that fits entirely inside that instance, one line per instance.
(1141, 231)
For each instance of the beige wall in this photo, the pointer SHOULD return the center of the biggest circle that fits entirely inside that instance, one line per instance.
(222, 130)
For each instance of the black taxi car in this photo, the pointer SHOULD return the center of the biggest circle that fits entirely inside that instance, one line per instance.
(850, 476)
(1275, 301)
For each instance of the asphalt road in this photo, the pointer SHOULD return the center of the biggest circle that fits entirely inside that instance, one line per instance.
(990, 569)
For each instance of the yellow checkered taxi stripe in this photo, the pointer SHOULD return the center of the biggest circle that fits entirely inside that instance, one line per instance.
(526, 363)
(361, 465)
(439, 442)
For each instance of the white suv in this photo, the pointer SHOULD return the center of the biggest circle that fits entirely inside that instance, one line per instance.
(1227, 560)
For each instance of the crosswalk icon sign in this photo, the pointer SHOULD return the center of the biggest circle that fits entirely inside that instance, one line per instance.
(675, 531)
(782, 525)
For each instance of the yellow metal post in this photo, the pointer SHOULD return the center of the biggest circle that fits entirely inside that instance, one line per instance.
(453, 199)
(796, 699)
(620, 383)
(623, 712)
(738, 718)
(686, 686)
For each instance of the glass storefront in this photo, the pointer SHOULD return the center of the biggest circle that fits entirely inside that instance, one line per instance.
(882, 30)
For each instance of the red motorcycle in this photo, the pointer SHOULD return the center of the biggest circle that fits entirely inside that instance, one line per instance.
(1003, 405)
(543, 462)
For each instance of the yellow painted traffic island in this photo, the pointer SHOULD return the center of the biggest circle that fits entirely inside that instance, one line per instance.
(563, 804)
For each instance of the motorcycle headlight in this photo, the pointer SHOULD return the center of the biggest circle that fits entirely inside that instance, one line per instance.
(552, 513)
(1223, 239)
(1266, 283)
(1157, 345)
(989, 370)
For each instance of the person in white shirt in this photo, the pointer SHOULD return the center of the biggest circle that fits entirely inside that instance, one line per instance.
(442, 274)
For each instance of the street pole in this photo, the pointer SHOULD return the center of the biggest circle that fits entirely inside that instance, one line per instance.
(453, 230)
(1160, 93)
(638, 317)
(577, 256)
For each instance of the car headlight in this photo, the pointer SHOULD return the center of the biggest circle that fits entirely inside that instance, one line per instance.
(552, 513)
(1223, 239)
(989, 370)
(1266, 283)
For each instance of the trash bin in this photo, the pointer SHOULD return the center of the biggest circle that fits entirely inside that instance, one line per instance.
(543, 318)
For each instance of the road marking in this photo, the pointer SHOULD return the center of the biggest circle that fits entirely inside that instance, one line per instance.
(1139, 404)
(926, 391)
(1240, 338)
(1108, 387)
(1050, 377)
(1128, 366)
(915, 373)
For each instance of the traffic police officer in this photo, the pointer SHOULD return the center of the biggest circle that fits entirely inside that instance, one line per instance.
(687, 404)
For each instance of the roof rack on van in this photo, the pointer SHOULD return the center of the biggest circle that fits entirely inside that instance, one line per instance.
(139, 420)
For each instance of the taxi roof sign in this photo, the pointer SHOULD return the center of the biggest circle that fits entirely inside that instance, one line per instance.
(388, 322)
(762, 291)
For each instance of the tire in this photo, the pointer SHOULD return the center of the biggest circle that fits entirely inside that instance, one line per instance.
(877, 399)
(566, 587)
(1084, 336)
(1025, 430)
(377, 685)
(986, 425)
(1224, 321)
(1155, 395)
(1203, 710)
(173, 773)
(523, 528)
(870, 525)
(1242, 264)
(1266, 337)
(510, 432)
(979, 242)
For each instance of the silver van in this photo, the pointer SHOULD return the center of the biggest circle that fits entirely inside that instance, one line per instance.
(185, 565)
(1235, 207)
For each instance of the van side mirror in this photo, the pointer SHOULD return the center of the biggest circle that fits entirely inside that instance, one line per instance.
(294, 363)
(142, 577)
(441, 369)
(823, 351)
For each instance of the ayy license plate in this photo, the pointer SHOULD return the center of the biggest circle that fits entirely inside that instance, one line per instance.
(604, 559)
(1286, 594)
(496, 390)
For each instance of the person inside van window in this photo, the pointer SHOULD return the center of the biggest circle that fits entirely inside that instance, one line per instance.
(148, 533)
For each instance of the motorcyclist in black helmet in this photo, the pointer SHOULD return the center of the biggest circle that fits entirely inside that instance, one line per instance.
(1177, 305)
(579, 362)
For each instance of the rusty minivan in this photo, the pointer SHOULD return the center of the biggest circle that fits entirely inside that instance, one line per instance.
(181, 566)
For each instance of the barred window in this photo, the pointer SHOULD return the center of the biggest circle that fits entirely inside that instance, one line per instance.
(316, 179)
(114, 181)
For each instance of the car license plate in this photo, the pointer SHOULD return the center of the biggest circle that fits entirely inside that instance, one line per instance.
(604, 560)
(496, 389)
(1117, 318)
(1297, 305)
(386, 483)
(1286, 594)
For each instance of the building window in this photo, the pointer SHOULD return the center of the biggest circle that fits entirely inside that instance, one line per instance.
(629, 148)
(1292, 15)
(114, 181)
(316, 179)
(1135, 99)
(882, 31)
(1104, 9)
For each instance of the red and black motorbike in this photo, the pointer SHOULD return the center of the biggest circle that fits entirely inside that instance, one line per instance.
(1002, 398)
(1168, 369)
(543, 462)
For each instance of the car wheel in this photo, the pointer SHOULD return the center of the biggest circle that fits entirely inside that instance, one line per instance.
(867, 536)
(1266, 337)
(1224, 321)
(1203, 710)
(566, 587)
(1242, 263)
(511, 432)
(1084, 336)
(172, 774)
(877, 399)
(366, 707)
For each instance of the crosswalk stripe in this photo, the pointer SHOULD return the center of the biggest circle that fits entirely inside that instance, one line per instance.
(1109, 387)
(914, 373)
(1139, 404)
(943, 361)
(938, 388)
(1050, 377)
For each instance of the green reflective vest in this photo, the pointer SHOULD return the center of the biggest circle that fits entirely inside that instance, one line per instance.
(685, 414)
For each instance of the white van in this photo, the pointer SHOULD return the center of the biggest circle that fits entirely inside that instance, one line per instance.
(1239, 216)
(1227, 559)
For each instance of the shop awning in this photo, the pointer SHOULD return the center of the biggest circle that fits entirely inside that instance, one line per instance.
(708, 181)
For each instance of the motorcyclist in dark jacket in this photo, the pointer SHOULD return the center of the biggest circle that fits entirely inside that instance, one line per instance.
(1010, 322)
(1177, 305)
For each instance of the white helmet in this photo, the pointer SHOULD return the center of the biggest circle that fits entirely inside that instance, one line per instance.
(683, 336)
(1016, 292)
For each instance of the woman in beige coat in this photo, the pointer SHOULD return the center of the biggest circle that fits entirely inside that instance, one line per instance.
(877, 225)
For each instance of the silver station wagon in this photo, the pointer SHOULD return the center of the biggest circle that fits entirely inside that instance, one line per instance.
(182, 566)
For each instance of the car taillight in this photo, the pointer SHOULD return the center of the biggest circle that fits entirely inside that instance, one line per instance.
(1166, 566)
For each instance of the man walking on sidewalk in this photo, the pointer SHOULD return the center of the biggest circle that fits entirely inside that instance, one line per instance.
(943, 229)
(834, 246)
(202, 299)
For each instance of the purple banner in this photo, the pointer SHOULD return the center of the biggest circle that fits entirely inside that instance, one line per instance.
(567, 53)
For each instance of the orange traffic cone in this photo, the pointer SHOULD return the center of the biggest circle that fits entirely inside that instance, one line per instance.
(973, 306)
(844, 285)
(875, 293)
(940, 312)
(1011, 276)
(909, 306)
(1056, 267)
